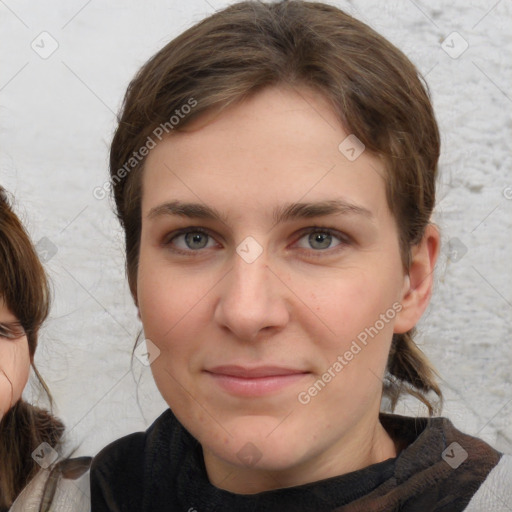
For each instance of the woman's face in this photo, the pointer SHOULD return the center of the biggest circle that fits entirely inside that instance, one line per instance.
(14, 359)
(270, 280)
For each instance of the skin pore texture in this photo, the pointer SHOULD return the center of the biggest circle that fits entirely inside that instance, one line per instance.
(322, 277)
(14, 363)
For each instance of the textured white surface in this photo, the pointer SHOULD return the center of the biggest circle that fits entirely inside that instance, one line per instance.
(57, 116)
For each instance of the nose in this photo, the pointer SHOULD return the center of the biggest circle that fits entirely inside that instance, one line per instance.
(252, 300)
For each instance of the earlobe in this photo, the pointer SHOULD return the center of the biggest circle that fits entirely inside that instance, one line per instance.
(418, 284)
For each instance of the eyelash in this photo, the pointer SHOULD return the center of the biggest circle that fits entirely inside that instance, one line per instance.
(12, 331)
(343, 239)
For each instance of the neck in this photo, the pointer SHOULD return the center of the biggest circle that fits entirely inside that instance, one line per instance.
(365, 444)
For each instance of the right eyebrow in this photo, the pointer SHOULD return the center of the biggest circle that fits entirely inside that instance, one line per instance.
(190, 210)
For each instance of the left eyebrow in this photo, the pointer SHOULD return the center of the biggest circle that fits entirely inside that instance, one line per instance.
(323, 208)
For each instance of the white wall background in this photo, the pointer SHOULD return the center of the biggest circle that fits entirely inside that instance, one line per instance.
(57, 117)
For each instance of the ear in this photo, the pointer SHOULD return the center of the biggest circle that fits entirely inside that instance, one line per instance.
(417, 288)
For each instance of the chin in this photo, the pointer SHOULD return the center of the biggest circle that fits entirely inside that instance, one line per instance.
(254, 448)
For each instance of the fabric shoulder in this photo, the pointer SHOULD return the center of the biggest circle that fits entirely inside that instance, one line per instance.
(441, 470)
(62, 488)
(129, 450)
(459, 463)
(117, 471)
(495, 493)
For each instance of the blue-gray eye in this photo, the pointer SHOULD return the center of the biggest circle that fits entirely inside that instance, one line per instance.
(189, 240)
(196, 239)
(320, 240)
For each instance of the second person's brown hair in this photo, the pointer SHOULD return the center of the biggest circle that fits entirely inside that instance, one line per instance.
(24, 289)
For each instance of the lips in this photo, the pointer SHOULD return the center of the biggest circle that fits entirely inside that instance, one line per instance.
(253, 373)
(253, 382)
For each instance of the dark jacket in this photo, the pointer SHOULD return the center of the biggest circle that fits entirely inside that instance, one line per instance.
(162, 469)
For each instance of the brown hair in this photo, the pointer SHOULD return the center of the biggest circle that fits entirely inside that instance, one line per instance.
(24, 289)
(372, 86)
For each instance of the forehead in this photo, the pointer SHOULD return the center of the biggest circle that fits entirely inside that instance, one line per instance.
(279, 146)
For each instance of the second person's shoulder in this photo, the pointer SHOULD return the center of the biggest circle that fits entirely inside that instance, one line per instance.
(63, 488)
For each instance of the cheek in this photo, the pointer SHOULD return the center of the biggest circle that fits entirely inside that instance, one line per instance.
(168, 302)
(14, 371)
(350, 305)
(175, 312)
(359, 315)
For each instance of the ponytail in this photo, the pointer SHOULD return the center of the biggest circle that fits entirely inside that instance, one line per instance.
(410, 372)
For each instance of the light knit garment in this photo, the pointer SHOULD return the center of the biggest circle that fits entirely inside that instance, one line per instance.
(495, 493)
(66, 495)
